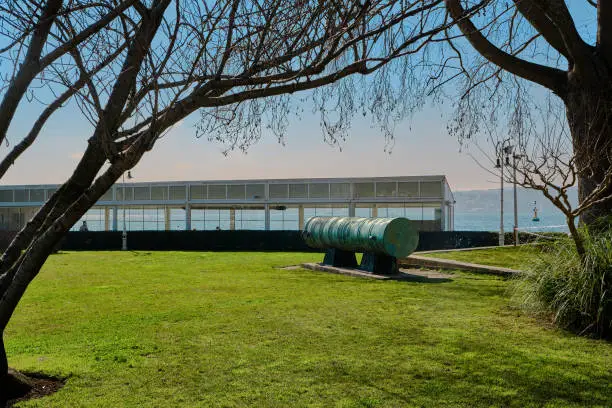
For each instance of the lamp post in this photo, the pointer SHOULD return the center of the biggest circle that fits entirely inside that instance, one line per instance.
(124, 234)
(516, 234)
(505, 149)
(509, 152)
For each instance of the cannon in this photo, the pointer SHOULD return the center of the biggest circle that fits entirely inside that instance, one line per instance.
(382, 241)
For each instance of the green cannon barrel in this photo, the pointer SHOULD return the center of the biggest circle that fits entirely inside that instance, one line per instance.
(395, 237)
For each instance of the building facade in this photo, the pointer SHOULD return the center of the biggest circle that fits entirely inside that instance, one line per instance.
(280, 204)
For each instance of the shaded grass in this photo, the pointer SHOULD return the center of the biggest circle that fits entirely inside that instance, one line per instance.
(508, 257)
(142, 329)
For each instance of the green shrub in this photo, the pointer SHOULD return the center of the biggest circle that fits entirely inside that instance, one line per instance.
(575, 293)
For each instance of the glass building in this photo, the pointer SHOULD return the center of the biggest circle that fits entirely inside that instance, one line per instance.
(246, 204)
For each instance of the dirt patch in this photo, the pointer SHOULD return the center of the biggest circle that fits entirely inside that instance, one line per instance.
(18, 387)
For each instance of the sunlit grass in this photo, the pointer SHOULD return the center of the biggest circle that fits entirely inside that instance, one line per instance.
(508, 256)
(170, 329)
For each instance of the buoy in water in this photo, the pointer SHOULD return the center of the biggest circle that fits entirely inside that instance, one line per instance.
(535, 213)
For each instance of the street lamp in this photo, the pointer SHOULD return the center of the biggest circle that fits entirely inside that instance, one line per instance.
(504, 150)
(507, 151)
(124, 234)
(516, 232)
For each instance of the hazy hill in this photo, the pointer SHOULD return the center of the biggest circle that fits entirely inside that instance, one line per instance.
(487, 201)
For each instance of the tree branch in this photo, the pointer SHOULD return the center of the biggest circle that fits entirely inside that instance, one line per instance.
(30, 67)
(543, 25)
(551, 78)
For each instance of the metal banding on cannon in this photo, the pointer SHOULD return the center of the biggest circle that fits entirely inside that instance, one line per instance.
(382, 240)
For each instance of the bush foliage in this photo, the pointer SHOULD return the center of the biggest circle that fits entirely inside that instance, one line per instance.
(575, 292)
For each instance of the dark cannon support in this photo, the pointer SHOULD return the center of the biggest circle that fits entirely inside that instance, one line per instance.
(382, 241)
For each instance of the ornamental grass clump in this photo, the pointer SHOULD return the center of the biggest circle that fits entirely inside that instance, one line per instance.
(574, 291)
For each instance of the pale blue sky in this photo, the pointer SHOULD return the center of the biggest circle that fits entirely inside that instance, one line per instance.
(423, 148)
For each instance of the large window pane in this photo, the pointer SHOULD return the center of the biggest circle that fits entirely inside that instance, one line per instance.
(197, 192)
(325, 211)
(386, 189)
(340, 190)
(217, 219)
(431, 189)
(177, 219)
(125, 194)
(159, 193)
(408, 189)
(177, 193)
(250, 219)
(6, 196)
(414, 213)
(37, 195)
(287, 219)
(153, 219)
(21, 195)
(364, 190)
(298, 191)
(235, 191)
(318, 190)
(279, 191)
(365, 212)
(216, 192)
(255, 191)
(141, 193)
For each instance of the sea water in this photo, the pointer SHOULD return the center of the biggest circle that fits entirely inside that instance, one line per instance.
(490, 221)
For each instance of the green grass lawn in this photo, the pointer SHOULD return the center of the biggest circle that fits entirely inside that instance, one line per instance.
(172, 329)
(509, 256)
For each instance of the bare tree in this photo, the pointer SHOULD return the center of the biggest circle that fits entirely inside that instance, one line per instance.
(136, 68)
(544, 159)
(505, 49)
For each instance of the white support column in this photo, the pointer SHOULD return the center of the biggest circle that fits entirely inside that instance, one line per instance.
(351, 209)
(115, 219)
(187, 217)
(232, 218)
(267, 216)
(443, 217)
(106, 218)
(301, 217)
(167, 218)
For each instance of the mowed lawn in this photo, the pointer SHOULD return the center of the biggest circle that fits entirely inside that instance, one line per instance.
(172, 329)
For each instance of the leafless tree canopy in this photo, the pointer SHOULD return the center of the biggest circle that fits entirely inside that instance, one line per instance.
(136, 68)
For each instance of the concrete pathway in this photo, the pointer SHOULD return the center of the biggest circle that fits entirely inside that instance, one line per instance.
(415, 275)
(426, 262)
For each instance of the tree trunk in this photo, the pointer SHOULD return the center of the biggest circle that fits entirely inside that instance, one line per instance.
(589, 112)
(576, 237)
(3, 359)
